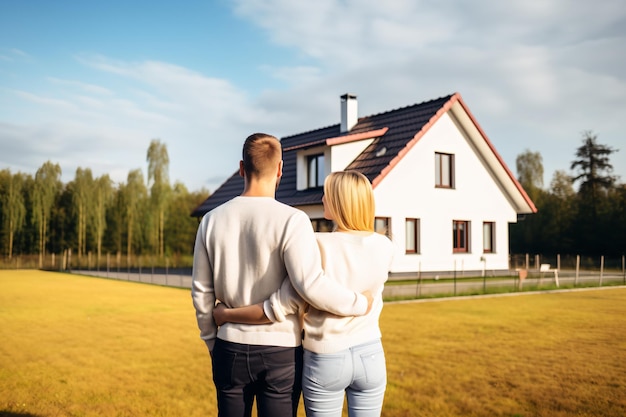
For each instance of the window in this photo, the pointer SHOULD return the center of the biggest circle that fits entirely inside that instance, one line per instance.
(412, 234)
(460, 236)
(444, 170)
(315, 171)
(489, 229)
(382, 225)
(322, 225)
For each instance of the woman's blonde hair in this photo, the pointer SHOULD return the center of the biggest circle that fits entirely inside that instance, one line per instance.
(350, 199)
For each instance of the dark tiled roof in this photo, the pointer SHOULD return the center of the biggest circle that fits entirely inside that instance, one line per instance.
(403, 124)
(231, 188)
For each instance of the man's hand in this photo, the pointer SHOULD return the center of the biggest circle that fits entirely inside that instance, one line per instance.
(370, 300)
(219, 314)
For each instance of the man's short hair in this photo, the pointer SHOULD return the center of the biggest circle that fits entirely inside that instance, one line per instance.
(261, 154)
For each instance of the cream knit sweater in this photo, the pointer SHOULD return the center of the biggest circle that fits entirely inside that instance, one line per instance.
(243, 251)
(357, 260)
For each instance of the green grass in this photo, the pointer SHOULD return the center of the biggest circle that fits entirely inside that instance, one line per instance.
(79, 346)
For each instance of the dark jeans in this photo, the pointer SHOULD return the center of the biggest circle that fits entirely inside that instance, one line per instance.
(272, 374)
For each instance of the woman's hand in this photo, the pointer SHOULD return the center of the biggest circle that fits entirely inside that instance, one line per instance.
(220, 313)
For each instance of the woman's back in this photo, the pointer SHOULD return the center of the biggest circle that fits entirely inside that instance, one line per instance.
(360, 261)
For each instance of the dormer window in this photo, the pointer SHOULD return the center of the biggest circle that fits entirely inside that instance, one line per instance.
(315, 171)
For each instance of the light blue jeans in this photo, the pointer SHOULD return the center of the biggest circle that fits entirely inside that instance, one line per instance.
(358, 372)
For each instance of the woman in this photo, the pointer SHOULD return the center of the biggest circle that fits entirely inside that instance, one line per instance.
(342, 355)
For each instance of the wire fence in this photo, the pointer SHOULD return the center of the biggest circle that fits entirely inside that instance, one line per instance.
(526, 273)
(66, 261)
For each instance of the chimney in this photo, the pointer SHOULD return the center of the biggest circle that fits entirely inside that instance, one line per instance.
(349, 113)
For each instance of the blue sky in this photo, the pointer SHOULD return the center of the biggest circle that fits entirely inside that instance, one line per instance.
(90, 84)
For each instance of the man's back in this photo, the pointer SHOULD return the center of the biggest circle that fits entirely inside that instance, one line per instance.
(240, 254)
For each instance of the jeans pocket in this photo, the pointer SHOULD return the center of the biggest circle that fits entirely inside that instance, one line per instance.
(374, 366)
(323, 370)
(224, 368)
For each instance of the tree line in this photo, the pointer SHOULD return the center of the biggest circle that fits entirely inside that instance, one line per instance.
(590, 220)
(148, 216)
(143, 216)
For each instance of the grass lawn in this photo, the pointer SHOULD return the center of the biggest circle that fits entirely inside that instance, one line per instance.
(79, 346)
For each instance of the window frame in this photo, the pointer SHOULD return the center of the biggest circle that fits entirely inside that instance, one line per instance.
(319, 175)
(439, 167)
(322, 225)
(387, 222)
(491, 238)
(461, 241)
(416, 235)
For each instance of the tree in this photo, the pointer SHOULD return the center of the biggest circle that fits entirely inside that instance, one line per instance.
(133, 195)
(13, 207)
(47, 184)
(593, 171)
(103, 193)
(180, 227)
(529, 167)
(523, 235)
(83, 198)
(158, 176)
(561, 211)
(593, 166)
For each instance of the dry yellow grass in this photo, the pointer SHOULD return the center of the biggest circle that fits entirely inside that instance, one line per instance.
(78, 346)
(559, 354)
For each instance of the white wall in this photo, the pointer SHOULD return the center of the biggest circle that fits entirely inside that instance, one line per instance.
(342, 155)
(409, 191)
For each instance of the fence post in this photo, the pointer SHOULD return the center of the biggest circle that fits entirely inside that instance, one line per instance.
(419, 279)
(558, 261)
(455, 277)
(527, 262)
(577, 269)
(601, 268)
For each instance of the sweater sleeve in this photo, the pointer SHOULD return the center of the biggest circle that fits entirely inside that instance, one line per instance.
(202, 289)
(304, 267)
(283, 302)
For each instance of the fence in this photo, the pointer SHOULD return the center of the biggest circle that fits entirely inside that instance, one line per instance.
(66, 261)
(525, 274)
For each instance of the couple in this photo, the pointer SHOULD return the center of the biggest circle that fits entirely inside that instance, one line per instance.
(278, 286)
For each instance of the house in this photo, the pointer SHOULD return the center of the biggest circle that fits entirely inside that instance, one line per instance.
(443, 193)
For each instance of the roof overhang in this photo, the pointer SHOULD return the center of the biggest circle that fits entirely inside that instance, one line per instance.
(491, 158)
(339, 140)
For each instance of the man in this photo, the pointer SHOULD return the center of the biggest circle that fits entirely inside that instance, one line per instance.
(243, 251)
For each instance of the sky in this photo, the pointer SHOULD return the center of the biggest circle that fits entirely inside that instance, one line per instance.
(91, 84)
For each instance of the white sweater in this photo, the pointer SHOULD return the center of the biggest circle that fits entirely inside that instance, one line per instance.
(243, 251)
(357, 260)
